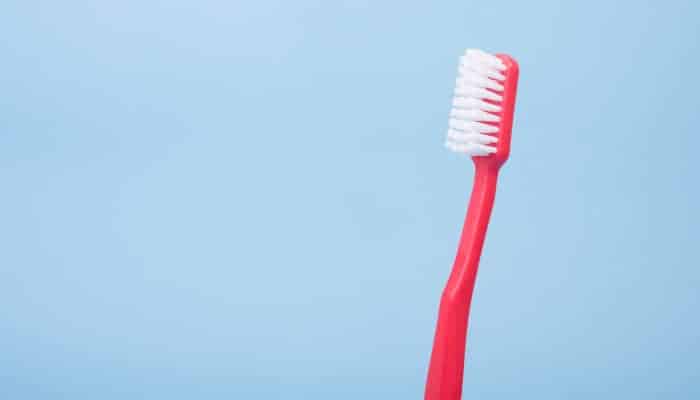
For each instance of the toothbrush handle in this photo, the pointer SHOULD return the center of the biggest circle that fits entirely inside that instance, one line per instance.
(447, 360)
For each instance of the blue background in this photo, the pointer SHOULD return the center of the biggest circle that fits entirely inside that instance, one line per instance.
(251, 200)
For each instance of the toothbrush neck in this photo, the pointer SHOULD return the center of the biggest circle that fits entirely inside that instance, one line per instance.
(483, 194)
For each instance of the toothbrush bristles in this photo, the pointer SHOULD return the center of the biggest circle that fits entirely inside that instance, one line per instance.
(474, 116)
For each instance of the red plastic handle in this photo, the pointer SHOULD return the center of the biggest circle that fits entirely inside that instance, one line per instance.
(447, 359)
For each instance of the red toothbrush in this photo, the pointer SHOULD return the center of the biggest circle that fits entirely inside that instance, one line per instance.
(480, 125)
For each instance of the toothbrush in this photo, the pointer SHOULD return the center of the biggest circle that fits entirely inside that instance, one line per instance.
(480, 125)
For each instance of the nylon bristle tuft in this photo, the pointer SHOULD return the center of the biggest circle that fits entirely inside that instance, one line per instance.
(475, 112)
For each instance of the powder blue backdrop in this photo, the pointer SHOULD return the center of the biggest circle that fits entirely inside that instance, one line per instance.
(250, 200)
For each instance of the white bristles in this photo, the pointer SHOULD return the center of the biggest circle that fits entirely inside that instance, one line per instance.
(470, 129)
(470, 148)
(471, 136)
(483, 58)
(474, 115)
(471, 102)
(476, 92)
(471, 126)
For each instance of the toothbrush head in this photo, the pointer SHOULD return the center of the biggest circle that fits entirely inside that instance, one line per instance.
(481, 117)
